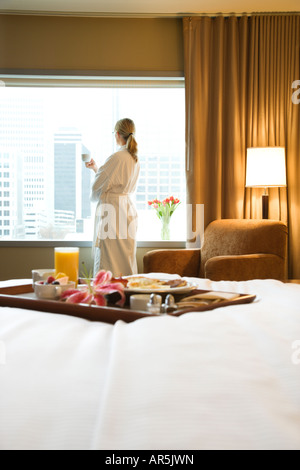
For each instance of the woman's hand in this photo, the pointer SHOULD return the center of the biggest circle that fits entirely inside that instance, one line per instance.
(92, 165)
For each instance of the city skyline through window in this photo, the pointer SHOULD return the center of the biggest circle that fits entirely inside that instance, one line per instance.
(44, 185)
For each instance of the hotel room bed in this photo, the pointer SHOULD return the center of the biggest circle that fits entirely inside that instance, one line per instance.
(228, 378)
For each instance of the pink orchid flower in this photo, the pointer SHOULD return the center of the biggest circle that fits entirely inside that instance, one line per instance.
(94, 294)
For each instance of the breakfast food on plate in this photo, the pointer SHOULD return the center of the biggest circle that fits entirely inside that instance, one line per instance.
(176, 283)
(141, 282)
(122, 280)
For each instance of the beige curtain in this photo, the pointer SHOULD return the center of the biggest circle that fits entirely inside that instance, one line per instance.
(239, 74)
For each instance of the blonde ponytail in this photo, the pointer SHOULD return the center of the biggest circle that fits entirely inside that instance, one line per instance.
(126, 128)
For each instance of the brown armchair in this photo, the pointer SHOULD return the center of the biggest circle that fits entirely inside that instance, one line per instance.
(233, 249)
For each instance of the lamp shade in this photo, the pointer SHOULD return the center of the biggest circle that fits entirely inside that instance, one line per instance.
(265, 167)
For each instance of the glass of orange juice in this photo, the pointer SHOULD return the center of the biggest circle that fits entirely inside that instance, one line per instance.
(66, 260)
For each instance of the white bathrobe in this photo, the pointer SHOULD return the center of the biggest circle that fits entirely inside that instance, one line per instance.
(116, 216)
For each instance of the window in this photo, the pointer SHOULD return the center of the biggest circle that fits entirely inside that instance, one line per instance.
(46, 123)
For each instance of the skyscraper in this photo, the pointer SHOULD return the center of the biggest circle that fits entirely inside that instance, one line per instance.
(22, 156)
(71, 179)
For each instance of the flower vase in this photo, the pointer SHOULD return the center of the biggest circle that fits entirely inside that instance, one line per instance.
(165, 228)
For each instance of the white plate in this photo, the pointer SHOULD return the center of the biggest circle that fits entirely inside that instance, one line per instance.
(168, 290)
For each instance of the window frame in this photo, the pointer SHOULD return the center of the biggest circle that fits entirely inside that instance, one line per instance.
(75, 80)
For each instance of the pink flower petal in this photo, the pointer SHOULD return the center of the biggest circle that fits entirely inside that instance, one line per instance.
(80, 297)
(67, 293)
(100, 300)
(102, 277)
(88, 300)
(121, 302)
(110, 288)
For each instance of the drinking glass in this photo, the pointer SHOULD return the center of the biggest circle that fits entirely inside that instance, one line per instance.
(66, 260)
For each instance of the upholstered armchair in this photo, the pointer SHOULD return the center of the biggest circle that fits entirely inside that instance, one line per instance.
(233, 249)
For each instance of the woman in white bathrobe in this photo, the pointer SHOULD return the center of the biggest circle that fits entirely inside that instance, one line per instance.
(116, 217)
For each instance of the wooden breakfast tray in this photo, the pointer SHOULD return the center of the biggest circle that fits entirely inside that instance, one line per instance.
(22, 296)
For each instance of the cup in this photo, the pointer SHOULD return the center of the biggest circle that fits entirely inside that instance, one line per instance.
(139, 301)
(66, 260)
(85, 157)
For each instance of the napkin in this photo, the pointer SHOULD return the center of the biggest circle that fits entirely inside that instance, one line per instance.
(206, 298)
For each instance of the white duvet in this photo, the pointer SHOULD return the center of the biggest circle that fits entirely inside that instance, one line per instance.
(224, 379)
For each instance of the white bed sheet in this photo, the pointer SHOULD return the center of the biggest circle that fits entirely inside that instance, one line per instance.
(224, 379)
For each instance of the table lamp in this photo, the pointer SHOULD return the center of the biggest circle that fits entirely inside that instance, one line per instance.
(265, 168)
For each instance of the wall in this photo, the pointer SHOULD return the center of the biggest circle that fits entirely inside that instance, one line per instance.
(91, 44)
(17, 263)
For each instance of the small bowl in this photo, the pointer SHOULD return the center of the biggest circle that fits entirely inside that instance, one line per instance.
(41, 275)
(51, 291)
